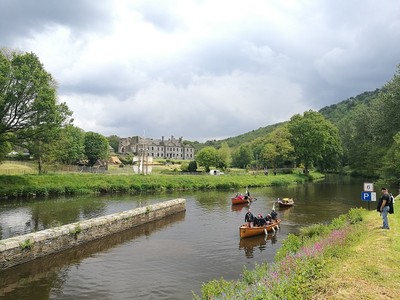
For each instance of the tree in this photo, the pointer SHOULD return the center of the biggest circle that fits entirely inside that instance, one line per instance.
(96, 147)
(257, 148)
(44, 135)
(368, 130)
(243, 156)
(5, 148)
(386, 108)
(113, 140)
(69, 147)
(269, 154)
(315, 139)
(278, 149)
(207, 157)
(391, 162)
(29, 112)
(388, 129)
(224, 156)
(358, 138)
(192, 166)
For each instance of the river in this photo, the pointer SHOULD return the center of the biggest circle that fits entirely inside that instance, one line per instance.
(166, 259)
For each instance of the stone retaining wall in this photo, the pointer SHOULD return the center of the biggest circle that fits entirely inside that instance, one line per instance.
(20, 249)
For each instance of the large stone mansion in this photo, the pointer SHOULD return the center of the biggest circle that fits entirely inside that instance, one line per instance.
(156, 148)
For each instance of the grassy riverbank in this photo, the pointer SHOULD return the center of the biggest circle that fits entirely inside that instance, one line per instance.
(372, 268)
(352, 258)
(62, 184)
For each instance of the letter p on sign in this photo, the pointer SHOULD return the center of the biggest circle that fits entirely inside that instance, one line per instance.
(368, 196)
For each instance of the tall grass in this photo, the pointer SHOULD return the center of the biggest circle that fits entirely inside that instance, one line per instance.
(60, 184)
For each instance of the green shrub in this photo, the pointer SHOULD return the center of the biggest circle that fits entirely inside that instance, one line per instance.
(253, 276)
(218, 289)
(148, 210)
(338, 222)
(223, 186)
(27, 244)
(314, 230)
(184, 167)
(355, 215)
(76, 231)
(192, 166)
(291, 245)
(298, 285)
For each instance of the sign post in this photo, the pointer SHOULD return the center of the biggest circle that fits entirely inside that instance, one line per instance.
(368, 187)
(368, 193)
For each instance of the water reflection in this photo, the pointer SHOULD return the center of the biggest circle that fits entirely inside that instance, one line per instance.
(52, 271)
(249, 245)
(18, 217)
(212, 200)
(38, 214)
(240, 207)
(165, 262)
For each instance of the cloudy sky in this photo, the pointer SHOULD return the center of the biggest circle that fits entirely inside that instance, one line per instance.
(204, 69)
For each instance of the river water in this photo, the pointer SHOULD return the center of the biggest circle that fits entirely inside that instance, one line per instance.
(166, 259)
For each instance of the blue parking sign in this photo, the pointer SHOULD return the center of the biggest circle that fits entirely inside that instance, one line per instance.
(368, 196)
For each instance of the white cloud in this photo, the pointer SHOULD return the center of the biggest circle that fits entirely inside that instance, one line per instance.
(204, 69)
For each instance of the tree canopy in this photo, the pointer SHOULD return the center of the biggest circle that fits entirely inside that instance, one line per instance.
(29, 112)
(243, 156)
(315, 140)
(96, 147)
(207, 157)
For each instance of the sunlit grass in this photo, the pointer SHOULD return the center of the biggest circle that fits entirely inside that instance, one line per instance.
(15, 168)
(372, 268)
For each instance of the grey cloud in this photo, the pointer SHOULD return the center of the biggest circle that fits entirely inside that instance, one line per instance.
(22, 18)
(160, 14)
(239, 76)
(116, 80)
(210, 107)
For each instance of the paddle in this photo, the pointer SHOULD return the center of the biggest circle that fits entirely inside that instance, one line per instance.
(251, 201)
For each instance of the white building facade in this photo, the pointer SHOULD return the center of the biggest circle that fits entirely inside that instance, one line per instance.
(157, 148)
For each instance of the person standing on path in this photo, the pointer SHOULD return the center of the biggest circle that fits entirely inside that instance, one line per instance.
(383, 207)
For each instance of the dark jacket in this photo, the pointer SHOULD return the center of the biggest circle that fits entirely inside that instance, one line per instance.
(248, 217)
(384, 197)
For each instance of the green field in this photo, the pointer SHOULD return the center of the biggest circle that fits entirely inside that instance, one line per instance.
(29, 184)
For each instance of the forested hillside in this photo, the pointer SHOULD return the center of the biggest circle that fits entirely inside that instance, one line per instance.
(369, 130)
(240, 139)
(336, 112)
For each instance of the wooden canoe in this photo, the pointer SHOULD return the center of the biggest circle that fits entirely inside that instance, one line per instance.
(241, 200)
(286, 202)
(253, 231)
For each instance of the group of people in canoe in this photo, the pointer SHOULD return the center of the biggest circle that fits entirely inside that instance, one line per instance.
(245, 196)
(259, 220)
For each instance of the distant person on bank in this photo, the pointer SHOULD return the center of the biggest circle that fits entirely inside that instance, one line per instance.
(383, 207)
